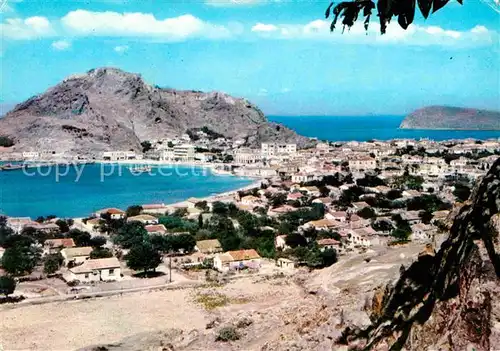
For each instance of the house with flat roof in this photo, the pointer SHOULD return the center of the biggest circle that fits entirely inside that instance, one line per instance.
(143, 218)
(233, 260)
(102, 269)
(210, 246)
(114, 213)
(53, 246)
(76, 255)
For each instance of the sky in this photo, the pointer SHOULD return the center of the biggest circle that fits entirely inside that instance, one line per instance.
(278, 54)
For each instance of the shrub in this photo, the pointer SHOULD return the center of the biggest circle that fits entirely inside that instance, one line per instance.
(227, 334)
(5, 141)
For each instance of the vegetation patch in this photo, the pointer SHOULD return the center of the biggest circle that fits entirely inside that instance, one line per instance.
(5, 141)
(227, 334)
(211, 301)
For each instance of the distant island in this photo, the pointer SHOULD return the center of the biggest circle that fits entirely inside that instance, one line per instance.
(454, 118)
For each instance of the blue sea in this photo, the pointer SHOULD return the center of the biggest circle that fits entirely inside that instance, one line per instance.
(43, 192)
(65, 196)
(364, 128)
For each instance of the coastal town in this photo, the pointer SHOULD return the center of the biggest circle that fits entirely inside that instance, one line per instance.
(309, 208)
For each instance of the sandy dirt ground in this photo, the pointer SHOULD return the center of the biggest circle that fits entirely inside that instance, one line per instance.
(297, 312)
(75, 324)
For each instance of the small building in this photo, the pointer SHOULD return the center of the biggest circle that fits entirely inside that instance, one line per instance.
(114, 213)
(53, 246)
(156, 229)
(208, 247)
(340, 216)
(143, 218)
(250, 200)
(102, 269)
(421, 232)
(76, 255)
(280, 242)
(285, 263)
(154, 208)
(233, 260)
(294, 196)
(328, 243)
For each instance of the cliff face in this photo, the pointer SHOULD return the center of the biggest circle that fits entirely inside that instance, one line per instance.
(108, 109)
(447, 300)
(444, 117)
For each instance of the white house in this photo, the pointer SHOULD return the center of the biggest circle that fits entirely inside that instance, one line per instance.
(76, 255)
(144, 218)
(115, 213)
(280, 242)
(102, 269)
(328, 244)
(232, 260)
(421, 232)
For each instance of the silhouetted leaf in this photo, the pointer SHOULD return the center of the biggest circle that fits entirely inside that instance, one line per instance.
(437, 4)
(425, 7)
(460, 2)
(403, 9)
(327, 13)
(407, 13)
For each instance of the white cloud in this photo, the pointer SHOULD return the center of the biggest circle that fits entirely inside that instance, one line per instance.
(262, 92)
(87, 23)
(415, 35)
(261, 27)
(121, 48)
(29, 28)
(61, 45)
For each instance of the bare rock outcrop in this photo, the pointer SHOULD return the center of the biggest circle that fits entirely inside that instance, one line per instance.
(450, 300)
(109, 109)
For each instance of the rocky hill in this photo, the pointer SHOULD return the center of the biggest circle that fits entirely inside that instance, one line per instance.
(109, 109)
(444, 117)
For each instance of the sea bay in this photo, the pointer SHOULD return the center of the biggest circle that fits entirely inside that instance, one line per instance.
(75, 193)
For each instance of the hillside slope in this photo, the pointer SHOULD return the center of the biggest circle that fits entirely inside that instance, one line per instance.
(109, 109)
(444, 117)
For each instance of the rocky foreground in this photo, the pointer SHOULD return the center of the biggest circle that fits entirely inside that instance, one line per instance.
(109, 109)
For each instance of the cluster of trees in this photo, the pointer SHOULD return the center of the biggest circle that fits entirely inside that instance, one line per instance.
(311, 256)
(403, 230)
(408, 181)
(6, 141)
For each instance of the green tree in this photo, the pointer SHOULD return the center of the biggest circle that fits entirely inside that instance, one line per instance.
(97, 241)
(101, 252)
(182, 242)
(401, 234)
(5, 141)
(219, 208)
(146, 146)
(21, 255)
(367, 213)
(80, 238)
(143, 257)
(52, 262)
(63, 225)
(7, 285)
(202, 205)
(131, 234)
(462, 192)
(293, 240)
(134, 210)
(224, 230)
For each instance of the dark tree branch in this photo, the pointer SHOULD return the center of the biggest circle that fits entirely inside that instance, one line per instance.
(404, 10)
